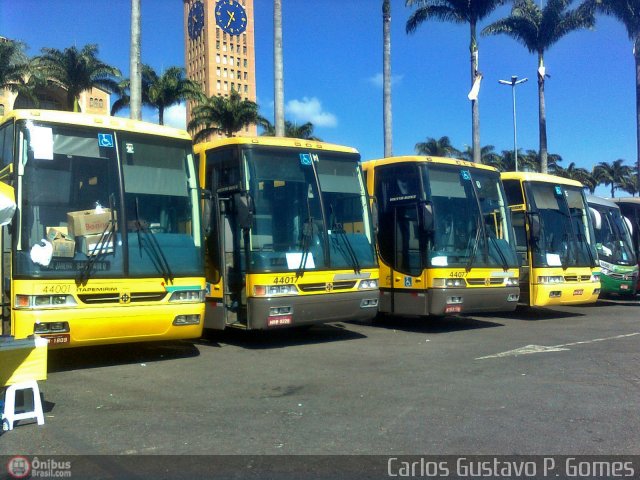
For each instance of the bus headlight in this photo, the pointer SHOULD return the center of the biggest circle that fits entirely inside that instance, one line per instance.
(274, 290)
(368, 285)
(449, 282)
(45, 301)
(187, 296)
(595, 278)
(512, 282)
(546, 279)
(50, 327)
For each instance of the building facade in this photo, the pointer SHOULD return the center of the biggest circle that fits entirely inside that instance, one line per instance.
(220, 48)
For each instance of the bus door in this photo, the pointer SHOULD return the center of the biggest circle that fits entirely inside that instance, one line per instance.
(399, 234)
(226, 238)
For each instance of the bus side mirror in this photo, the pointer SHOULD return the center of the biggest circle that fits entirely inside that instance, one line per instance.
(244, 209)
(534, 223)
(426, 216)
(207, 210)
(374, 214)
(7, 203)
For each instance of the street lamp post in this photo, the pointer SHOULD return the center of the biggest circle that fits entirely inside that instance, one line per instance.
(513, 82)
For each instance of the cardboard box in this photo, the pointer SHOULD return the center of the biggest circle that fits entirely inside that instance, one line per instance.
(89, 244)
(22, 360)
(88, 222)
(63, 246)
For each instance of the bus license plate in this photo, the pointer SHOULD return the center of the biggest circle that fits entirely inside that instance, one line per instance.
(280, 320)
(453, 309)
(578, 292)
(62, 338)
(624, 287)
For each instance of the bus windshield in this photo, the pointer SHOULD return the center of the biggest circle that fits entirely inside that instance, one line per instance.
(562, 235)
(310, 211)
(613, 240)
(139, 190)
(471, 228)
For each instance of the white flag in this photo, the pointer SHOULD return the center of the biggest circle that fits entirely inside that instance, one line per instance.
(475, 89)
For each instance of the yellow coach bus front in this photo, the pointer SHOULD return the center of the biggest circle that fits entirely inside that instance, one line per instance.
(555, 239)
(445, 241)
(289, 234)
(106, 244)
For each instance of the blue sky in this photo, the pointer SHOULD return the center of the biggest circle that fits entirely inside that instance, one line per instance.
(333, 68)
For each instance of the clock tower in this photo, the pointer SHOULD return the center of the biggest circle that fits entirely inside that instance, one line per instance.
(220, 49)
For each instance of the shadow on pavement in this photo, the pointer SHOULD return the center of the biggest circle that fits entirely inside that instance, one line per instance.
(612, 302)
(121, 354)
(533, 314)
(432, 324)
(265, 339)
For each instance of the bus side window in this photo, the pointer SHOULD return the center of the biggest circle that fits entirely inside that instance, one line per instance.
(6, 145)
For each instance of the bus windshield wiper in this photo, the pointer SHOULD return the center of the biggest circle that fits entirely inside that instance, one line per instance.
(154, 249)
(101, 247)
(474, 250)
(307, 235)
(350, 252)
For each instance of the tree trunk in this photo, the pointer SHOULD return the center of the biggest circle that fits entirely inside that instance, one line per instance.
(542, 115)
(475, 110)
(278, 68)
(386, 61)
(636, 54)
(161, 115)
(135, 104)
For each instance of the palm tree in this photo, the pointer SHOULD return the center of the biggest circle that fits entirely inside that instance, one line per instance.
(611, 174)
(488, 156)
(539, 29)
(437, 148)
(77, 71)
(458, 11)
(171, 88)
(278, 68)
(630, 184)
(226, 115)
(628, 12)
(386, 78)
(135, 85)
(14, 66)
(291, 130)
(579, 174)
(159, 92)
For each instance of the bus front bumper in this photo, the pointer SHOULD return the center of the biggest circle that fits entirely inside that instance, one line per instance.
(473, 300)
(293, 311)
(564, 293)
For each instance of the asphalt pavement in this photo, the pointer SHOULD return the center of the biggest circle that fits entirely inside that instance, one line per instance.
(561, 381)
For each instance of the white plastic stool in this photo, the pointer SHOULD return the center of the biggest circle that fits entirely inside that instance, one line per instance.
(10, 416)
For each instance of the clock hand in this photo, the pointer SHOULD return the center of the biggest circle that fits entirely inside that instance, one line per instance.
(232, 17)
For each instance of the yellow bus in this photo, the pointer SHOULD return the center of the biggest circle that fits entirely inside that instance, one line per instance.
(288, 234)
(106, 243)
(555, 239)
(445, 241)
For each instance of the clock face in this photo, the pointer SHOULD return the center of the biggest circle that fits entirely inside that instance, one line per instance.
(195, 23)
(231, 17)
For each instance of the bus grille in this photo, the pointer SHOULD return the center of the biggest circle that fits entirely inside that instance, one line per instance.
(577, 278)
(326, 287)
(622, 276)
(102, 298)
(485, 281)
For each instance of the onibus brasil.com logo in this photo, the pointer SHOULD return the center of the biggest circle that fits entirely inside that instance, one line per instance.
(22, 467)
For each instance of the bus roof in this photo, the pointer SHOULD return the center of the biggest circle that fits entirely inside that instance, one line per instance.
(92, 120)
(539, 177)
(595, 200)
(273, 142)
(634, 200)
(423, 159)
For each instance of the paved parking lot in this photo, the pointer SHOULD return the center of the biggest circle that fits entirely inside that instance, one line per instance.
(561, 381)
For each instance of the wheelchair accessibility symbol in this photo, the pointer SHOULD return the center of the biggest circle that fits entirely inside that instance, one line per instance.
(408, 281)
(105, 140)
